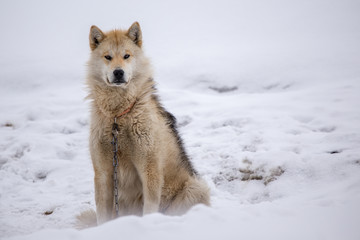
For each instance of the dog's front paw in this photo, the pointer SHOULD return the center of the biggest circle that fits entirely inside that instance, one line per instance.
(150, 208)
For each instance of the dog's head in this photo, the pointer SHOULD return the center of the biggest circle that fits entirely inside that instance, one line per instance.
(116, 56)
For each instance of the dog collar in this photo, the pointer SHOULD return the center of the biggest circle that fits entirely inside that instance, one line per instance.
(126, 111)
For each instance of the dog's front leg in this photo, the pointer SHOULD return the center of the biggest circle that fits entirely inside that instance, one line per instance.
(103, 197)
(152, 181)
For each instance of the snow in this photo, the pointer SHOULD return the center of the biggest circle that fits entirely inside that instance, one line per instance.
(266, 94)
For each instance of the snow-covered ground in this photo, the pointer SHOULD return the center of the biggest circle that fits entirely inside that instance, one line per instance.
(267, 96)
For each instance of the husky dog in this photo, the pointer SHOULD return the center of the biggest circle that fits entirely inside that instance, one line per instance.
(154, 174)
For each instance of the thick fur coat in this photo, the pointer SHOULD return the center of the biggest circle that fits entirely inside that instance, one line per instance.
(154, 172)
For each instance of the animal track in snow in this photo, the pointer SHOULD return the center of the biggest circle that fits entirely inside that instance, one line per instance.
(236, 123)
(280, 86)
(183, 121)
(83, 122)
(21, 150)
(41, 175)
(67, 130)
(223, 89)
(326, 129)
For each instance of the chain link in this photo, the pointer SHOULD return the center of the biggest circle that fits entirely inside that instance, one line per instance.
(114, 142)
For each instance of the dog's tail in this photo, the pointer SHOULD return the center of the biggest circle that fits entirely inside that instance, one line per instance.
(86, 219)
(194, 192)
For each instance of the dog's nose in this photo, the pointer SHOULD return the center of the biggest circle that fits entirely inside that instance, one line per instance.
(118, 74)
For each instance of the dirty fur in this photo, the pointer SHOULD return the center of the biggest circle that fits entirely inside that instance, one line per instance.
(154, 172)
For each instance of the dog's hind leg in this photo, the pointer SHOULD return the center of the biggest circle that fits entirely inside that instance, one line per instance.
(195, 191)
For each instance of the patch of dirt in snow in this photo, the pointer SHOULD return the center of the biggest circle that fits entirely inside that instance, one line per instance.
(248, 173)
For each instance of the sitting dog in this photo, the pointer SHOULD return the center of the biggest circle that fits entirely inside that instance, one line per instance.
(139, 161)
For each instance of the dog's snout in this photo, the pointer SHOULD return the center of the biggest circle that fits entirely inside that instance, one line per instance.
(118, 74)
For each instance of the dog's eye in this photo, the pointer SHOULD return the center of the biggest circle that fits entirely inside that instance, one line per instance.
(108, 57)
(126, 56)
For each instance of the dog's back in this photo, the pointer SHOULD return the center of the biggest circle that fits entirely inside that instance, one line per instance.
(182, 187)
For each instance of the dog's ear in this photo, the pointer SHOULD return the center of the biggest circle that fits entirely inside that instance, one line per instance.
(95, 37)
(134, 33)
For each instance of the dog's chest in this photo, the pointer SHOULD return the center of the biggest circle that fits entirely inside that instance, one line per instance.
(131, 140)
(130, 136)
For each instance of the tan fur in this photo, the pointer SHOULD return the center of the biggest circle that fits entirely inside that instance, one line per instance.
(86, 219)
(153, 175)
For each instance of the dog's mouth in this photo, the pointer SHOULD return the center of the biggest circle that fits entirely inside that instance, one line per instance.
(116, 82)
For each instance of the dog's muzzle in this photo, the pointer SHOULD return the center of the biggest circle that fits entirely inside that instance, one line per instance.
(118, 77)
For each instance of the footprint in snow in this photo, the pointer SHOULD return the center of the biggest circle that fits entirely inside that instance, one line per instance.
(223, 89)
(183, 121)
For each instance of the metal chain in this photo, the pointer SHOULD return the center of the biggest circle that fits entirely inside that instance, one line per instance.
(114, 142)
